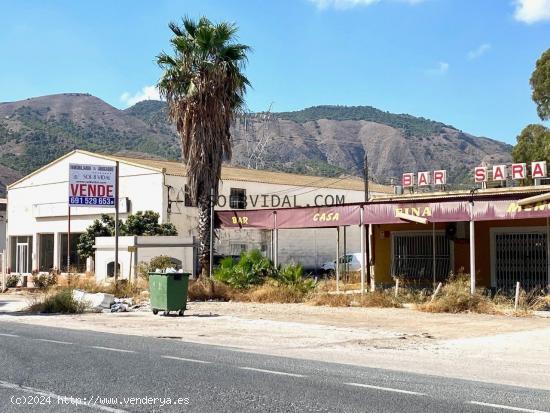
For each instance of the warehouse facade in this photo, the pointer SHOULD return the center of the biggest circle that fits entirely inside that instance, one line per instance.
(37, 210)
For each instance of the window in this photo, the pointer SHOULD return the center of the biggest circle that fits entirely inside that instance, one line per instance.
(237, 248)
(45, 252)
(412, 256)
(237, 198)
(77, 264)
(21, 254)
(111, 269)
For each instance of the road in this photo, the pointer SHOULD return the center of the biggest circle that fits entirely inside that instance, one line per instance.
(61, 370)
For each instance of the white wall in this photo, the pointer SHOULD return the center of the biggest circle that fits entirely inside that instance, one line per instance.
(141, 186)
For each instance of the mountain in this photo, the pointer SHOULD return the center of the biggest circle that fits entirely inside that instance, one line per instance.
(325, 140)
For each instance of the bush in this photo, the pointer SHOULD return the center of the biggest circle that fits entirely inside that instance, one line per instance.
(12, 281)
(455, 297)
(43, 281)
(205, 289)
(61, 301)
(251, 269)
(292, 277)
(157, 263)
(331, 300)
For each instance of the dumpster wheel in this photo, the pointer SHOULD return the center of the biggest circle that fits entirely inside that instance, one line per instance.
(155, 311)
(180, 313)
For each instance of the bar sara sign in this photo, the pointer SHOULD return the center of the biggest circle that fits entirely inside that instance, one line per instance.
(481, 174)
(92, 185)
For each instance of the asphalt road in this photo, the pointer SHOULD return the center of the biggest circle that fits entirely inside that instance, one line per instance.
(61, 370)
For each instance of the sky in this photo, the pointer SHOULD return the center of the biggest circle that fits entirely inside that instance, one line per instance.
(462, 62)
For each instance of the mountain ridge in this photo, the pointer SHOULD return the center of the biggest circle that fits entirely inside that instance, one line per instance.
(328, 140)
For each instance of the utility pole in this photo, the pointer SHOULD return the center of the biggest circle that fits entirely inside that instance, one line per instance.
(366, 179)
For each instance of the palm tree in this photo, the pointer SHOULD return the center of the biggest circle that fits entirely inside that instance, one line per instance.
(204, 86)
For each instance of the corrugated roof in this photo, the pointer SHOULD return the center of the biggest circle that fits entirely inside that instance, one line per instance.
(261, 176)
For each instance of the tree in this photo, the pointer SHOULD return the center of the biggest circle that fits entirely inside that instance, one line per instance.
(533, 144)
(146, 223)
(104, 227)
(140, 223)
(540, 83)
(204, 86)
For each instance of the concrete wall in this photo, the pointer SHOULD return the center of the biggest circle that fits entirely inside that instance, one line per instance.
(146, 248)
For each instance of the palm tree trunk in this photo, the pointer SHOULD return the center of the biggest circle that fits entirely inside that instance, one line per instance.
(203, 204)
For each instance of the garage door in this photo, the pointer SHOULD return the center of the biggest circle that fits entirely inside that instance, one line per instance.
(523, 257)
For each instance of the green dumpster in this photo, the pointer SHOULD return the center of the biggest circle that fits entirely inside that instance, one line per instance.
(168, 291)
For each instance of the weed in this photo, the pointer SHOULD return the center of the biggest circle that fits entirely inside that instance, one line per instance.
(61, 301)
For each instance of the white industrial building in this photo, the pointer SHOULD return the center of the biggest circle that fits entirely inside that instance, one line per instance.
(37, 209)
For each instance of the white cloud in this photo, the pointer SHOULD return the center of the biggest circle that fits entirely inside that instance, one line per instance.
(348, 4)
(478, 52)
(532, 11)
(441, 69)
(146, 93)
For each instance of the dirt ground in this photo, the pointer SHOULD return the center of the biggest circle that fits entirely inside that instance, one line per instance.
(500, 349)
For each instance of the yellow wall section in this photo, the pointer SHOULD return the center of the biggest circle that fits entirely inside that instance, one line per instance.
(382, 247)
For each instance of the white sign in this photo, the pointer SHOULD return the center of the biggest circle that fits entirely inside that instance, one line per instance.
(439, 177)
(92, 185)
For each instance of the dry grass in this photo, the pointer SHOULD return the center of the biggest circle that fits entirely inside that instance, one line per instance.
(60, 301)
(205, 289)
(455, 297)
(382, 299)
(88, 283)
(270, 293)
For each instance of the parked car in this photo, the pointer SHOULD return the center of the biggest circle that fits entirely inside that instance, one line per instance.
(349, 262)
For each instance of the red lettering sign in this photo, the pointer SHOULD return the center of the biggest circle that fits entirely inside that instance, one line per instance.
(408, 179)
(499, 172)
(440, 177)
(538, 169)
(423, 178)
(519, 171)
(480, 174)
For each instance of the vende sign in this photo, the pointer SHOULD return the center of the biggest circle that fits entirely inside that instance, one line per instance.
(515, 171)
(92, 185)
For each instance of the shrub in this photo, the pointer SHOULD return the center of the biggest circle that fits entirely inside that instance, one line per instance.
(251, 269)
(157, 263)
(292, 277)
(205, 289)
(12, 281)
(43, 281)
(455, 297)
(61, 301)
(382, 299)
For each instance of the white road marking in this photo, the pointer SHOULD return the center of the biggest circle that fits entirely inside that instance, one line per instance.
(8, 335)
(13, 386)
(515, 409)
(282, 373)
(368, 386)
(184, 359)
(113, 349)
(52, 341)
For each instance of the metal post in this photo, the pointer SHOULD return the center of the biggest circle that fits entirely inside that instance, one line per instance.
(472, 251)
(548, 251)
(345, 255)
(370, 275)
(337, 262)
(276, 243)
(115, 270)
(69, 240)
(362, 232)
(211, 246)
(433, 252)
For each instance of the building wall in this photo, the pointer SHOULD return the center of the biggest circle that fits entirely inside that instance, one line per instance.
(46, 193)
(461, 246)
